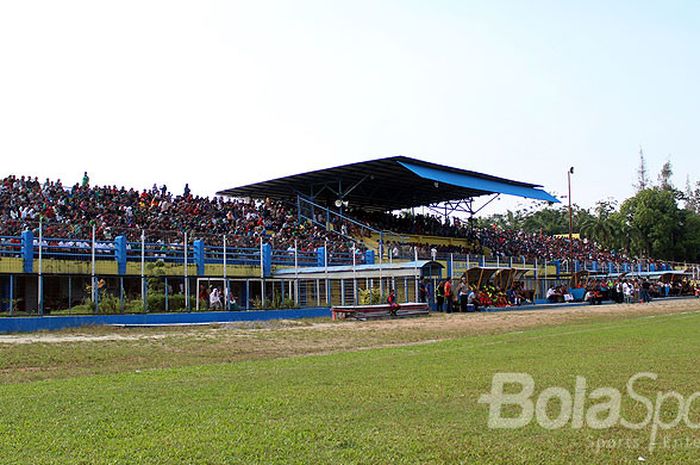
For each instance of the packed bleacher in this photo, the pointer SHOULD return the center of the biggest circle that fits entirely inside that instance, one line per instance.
(542, 246)
(71, 211)
(492, 240)
(428, 225)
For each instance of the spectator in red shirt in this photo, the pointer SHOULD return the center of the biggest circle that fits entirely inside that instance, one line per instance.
(448, 294)
(393, 305)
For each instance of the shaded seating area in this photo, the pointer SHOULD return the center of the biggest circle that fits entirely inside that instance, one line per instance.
(498, 286)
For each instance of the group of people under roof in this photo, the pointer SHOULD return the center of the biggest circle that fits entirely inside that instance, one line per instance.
(71, 211)
(458, 295)
(625, 290)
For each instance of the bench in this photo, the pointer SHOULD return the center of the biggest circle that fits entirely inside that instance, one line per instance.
(369, 312)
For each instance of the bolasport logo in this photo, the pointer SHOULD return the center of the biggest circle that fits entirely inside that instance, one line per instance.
(599, 409)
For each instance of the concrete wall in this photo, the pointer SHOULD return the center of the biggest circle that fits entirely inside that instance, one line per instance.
(48, 323)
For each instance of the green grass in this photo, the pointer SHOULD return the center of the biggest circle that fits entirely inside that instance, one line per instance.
(413, 404)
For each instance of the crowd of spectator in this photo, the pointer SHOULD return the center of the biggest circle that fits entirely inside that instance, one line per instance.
(493, 240)
(537, 245)
(72, 211)
(418, 224)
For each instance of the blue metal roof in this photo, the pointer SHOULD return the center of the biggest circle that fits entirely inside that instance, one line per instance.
(388, 184)
(479, 184)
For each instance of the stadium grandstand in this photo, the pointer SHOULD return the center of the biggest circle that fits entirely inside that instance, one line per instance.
(321, 238)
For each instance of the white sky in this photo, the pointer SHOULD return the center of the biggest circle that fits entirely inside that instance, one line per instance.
(224, 93)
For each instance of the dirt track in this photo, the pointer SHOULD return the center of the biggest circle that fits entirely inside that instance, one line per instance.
(441, 325)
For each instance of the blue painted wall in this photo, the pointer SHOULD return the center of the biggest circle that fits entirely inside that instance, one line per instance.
(51, 323)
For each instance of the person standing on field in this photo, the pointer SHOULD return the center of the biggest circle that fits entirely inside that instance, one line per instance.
(462, 293)
(422, 291)
(448, 294)
(440, 295)
(393, 305)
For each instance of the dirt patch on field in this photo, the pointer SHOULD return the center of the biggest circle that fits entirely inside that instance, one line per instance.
(445, 326)
(449, 325)
(63, 338)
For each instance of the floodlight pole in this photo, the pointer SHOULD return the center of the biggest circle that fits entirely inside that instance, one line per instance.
(571, 227)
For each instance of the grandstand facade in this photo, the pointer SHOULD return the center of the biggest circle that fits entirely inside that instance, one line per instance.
(314, 239)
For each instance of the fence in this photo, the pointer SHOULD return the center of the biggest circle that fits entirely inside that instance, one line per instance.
(139, 276)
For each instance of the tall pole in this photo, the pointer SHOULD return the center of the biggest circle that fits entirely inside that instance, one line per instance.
(226, 288)
(40, 281)
(416, 276)
(143, 270)
(262, 265)
(95, 294)
(571, 226)
(381, 252)
(296, 271)
(325, 268)
(354, 274)
(545, 276)
(262, 275)
(187, 277)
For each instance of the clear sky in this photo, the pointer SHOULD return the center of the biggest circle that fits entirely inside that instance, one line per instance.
(223, 93)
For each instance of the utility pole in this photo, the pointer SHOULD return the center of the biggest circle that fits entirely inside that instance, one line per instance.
(571, 224)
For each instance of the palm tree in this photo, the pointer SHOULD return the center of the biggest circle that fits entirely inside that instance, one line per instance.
(599, 229)
(604, 226)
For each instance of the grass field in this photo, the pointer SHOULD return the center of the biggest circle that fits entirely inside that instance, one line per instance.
(320, 392)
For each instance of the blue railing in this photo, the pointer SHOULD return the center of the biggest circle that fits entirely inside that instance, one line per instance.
(307, 258)
(154, 251)
(10, 246)
(286, 258)
(342, 258)
(234, 255)
(74, 249)
(26, 247)
(283, 257)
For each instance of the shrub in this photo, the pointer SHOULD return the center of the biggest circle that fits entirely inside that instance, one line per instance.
(371, 297)
(277, 304)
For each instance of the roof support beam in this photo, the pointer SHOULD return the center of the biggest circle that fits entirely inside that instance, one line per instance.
(353, 187)
(487, 203)
(447, 208)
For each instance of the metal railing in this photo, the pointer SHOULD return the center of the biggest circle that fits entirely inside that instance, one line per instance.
(218, 255)
(10, 246)
(540, 272)
(74, 249)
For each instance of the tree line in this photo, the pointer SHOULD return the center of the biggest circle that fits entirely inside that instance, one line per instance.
(659, 221)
